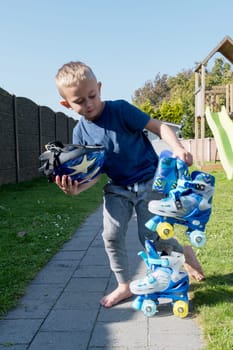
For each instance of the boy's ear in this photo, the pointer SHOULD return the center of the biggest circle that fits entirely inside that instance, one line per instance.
(64, 103)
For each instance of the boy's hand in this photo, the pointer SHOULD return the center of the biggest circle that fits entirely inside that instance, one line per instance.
(183, 155)
(66, 185)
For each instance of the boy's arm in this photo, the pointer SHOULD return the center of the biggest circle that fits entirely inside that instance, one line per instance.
(74, 188)
(167, 135)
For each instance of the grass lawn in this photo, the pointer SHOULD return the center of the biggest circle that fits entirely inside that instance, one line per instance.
(36, 218)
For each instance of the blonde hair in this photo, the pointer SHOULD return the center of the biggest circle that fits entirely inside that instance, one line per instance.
(73, 72)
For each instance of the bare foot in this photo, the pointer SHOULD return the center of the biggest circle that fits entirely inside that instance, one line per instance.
(122, 292)
(192, 265)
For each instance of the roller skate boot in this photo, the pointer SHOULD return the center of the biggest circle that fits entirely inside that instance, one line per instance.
(164, 279)
(168, 172)
(158, 279)
(165, 178)
(189, 204)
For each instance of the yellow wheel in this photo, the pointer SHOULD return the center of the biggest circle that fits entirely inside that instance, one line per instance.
(180, 309)
(165, 230)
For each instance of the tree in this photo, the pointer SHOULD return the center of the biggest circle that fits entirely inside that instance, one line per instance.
(171, 112)
(221, 73)
(172, 98)
(153, 91)
(147, 108)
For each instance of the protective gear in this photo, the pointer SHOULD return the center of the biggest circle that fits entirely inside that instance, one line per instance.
(81, 163)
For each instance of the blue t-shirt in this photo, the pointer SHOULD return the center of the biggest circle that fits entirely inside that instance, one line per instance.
(130, 156)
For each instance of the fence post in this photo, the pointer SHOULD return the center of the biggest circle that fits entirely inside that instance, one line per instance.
(15, 118)
(40, 131)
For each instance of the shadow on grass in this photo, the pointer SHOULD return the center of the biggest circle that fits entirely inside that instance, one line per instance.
(215, 289)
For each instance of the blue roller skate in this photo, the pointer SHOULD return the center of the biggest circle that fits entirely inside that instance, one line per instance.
(189, 204)
(164, 279)
(168, 172)
(165, 178)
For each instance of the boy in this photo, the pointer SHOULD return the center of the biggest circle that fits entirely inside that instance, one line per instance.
(130, 165)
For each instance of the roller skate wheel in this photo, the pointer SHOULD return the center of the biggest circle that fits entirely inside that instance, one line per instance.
(197, 238)
(180, 309)
(149, 308)
(165, 230)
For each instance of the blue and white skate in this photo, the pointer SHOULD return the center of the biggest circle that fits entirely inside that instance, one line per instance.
(165, 279)
(189, 204)
(164, 276)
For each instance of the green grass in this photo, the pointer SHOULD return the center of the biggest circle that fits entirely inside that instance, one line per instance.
(213, 298)
(37, 218)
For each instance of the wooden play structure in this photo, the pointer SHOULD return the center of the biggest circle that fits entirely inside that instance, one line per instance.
(212, 97)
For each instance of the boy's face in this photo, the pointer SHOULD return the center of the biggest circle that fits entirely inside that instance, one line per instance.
(84, 98)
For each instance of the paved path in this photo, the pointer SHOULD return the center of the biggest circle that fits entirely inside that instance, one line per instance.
(61, 310)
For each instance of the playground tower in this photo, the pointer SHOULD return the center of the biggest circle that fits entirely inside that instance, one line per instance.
(225, 47)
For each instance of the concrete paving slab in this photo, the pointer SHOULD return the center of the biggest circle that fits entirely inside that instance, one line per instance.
(56, 272)
(13, 347)
(76, 255)
(87, 284)
(61, 341)
(18, 331)
(119, 334)
(91, 271)
(37, 301)
(79, 300)
(64, 320)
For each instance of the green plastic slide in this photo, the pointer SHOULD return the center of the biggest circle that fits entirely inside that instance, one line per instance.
(222, 128)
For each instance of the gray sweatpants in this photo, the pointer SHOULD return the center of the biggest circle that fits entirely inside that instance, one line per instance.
(119, 203)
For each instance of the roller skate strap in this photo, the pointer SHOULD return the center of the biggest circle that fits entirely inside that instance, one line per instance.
(158, 262)
(152, 261)
(176, 195)
(144, 258)
(191, 185)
